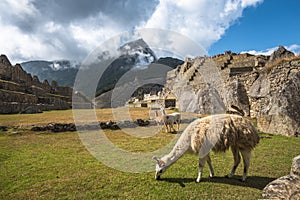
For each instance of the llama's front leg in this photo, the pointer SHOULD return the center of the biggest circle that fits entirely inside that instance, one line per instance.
(178, 122)
(246, 154)
(212, 173)
(171, 127)
(166, 127)
(201, 165)
(237, 159)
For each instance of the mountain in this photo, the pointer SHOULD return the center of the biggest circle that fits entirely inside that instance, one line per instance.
(135, 55)
(62, 71)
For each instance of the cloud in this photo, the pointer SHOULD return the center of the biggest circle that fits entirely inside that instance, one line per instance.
(70, 29)
(203, 21)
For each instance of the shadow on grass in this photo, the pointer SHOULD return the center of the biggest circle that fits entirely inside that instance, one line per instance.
(256, 182)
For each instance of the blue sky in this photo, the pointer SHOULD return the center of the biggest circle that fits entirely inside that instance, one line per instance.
(272, 23)
(71, 29)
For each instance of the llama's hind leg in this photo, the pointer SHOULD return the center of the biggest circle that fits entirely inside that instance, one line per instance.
(237, 160)
(246, 154)
(201, 165)
(212, 173)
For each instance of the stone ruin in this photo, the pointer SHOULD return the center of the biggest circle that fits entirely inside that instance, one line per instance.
(245, 84)
(22, 93)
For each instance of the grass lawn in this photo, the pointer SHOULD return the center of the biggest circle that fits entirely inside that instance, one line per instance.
(58, 166)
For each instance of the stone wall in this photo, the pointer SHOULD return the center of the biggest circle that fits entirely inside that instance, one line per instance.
(258, 88)
(22, 93)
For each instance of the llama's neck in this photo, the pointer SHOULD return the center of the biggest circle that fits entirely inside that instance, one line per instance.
(182, 145)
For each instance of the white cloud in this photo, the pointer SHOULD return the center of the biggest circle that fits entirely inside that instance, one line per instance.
(294, 48)
(38, 29)
(204, 21)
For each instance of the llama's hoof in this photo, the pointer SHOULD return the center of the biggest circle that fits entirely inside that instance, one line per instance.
(197, 181)
(243, 180)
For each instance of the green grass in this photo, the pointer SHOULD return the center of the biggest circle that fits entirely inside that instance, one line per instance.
(58, 166)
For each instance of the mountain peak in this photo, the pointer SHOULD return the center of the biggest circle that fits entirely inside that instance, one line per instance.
(136, 44)
(137, 47)
(281, 52)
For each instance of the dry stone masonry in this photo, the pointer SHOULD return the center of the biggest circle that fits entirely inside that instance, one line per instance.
(22, 93)
(265, 87)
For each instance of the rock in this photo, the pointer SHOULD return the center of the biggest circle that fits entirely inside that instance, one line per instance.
(261, 87)
(286, 187)
(295, 169)
(210, 102)
(237, 98)
(282, 115)
(36, 128)
(142, 122)
(3, 128)
(281, 52)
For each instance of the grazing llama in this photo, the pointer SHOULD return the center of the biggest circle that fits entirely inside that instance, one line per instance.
(169, 119)
(217, 133)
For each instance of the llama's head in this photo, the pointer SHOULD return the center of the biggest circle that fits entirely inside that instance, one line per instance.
(160, 167)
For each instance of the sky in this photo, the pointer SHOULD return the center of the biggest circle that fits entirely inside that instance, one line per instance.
(71, 29)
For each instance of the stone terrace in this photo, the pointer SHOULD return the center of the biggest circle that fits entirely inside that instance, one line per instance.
(22, 93)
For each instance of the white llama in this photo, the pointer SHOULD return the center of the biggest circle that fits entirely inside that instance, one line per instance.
(158, 119)
(169, 119)
(217, 133)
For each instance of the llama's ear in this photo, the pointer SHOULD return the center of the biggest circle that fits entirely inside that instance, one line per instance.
(156, 159)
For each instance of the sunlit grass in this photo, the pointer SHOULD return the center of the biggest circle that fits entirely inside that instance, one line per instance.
(57, 166)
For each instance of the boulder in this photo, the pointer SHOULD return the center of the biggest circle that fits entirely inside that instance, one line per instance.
(286, 187)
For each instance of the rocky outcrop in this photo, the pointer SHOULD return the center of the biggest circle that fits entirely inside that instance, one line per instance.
(280, 108)
(281, 52)
(286, 187)
(245, 84)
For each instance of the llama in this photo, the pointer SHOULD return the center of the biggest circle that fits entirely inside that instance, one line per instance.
(158, 119)
(170, 119)
(217, 133)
